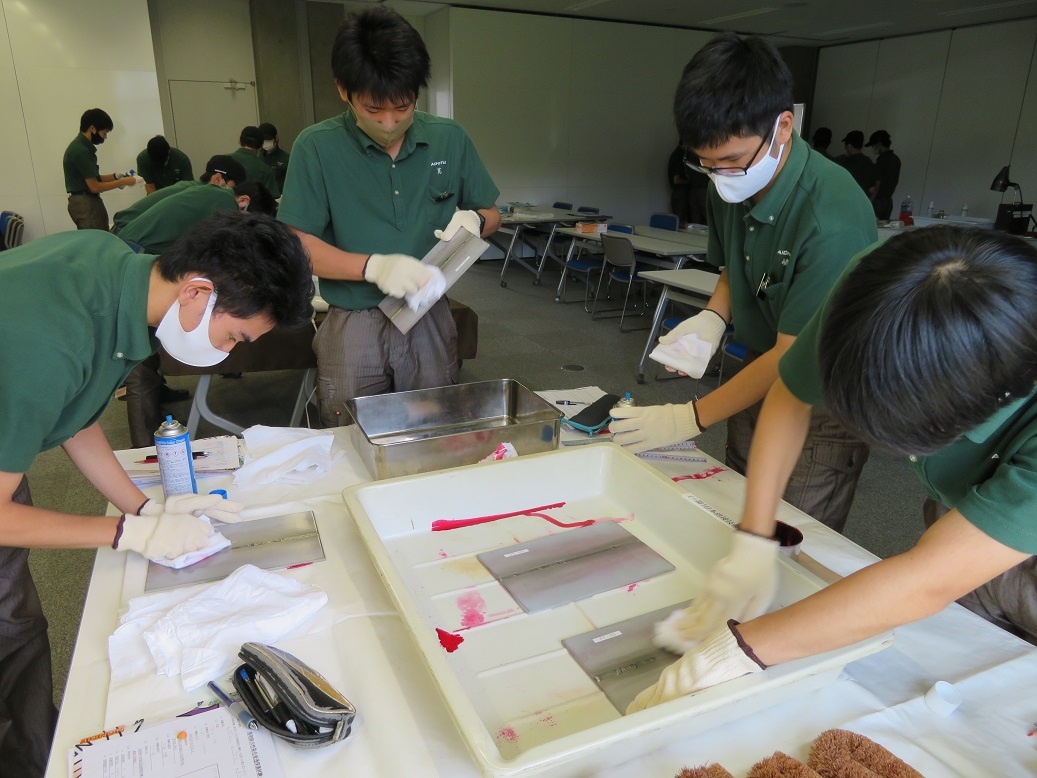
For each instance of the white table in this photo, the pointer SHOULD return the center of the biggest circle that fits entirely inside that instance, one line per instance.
(676, 286)
(698, 240)
(359, 643)
(521, 218)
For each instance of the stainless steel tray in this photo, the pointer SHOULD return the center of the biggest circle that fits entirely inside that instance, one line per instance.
(407, 433)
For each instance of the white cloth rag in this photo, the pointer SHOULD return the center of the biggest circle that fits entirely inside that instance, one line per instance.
(689, 355)
(287, 456)
(197, 633)
(216, 543)
(433, 289)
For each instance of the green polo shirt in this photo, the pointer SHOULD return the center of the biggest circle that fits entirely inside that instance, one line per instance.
(344, 188)
(277, 161)
(177, 168)
(159, 227)
(784, 253)
(79, 164)
(989, 475)
(257, 170)
(73, 310)
(126, 215)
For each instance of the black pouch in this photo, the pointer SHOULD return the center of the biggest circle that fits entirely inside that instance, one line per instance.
(290, 698)
(595, 416)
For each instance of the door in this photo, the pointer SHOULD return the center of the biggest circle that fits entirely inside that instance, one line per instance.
(208, 117)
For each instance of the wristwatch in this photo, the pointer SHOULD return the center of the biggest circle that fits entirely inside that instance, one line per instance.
(482, 223)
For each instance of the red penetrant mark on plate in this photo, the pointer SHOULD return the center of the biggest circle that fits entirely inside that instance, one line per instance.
(546, 719)
(507, 734)
(696, 476)
(473, 609)
(449, 640)
(443, 554)
(442, 525)
(631, 587)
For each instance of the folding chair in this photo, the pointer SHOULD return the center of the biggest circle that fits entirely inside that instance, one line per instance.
(664, 221)
(11, 227)
(620, 257)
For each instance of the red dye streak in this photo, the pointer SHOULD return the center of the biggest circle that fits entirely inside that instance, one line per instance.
(507, 734)
(697, 476)
(448, 640)
(445, 524)
(473, 609)
(631, 587)
(563, 524)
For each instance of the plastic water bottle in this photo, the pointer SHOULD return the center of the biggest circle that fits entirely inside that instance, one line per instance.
(175, 461)
(965, 210)
(929, 210)
(905, 212)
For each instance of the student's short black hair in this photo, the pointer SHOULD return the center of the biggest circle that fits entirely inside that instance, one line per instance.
(158, 150)
(96, 118)
(929, 335)
(251, 137)
(256, 263)
(822, 137)
(379, 54)
(261, 199)
(733, 87)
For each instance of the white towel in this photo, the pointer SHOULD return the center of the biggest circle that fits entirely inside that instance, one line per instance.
(433, 289)
(689, 355)
(216, 543)
(288, 456)
(197, 633)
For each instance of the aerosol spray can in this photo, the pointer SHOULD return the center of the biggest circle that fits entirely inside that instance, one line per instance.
(624, 402)
(175, 461)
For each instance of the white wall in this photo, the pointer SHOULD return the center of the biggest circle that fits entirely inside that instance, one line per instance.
(51, 70)
(959, 105)
(565, 109)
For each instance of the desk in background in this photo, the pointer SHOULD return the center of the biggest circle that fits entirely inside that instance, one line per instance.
(521, 218)
(360, 645)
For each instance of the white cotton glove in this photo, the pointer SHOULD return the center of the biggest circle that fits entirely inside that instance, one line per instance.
(167, 535)
(211, 505)
(740, 586)
(638, 428)
(397, 275)
(691, 344)
(707, 324)
(120, 176)
(430, 292)
(138, 180)
(718, 659)
(467, 219)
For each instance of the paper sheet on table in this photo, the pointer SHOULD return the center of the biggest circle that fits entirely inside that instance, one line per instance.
(208, 744)
(585, 395)
(221, 454)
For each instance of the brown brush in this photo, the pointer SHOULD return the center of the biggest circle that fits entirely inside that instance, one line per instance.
(781, 765)
(839, 753)
(706, 771)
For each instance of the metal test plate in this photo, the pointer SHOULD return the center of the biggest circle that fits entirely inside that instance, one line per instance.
(271, 543)
(573, 565)
(621, 658)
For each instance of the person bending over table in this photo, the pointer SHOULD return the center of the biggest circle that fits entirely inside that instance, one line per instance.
(926, 347)
(382, 177)
(783, 223)
(78, 310)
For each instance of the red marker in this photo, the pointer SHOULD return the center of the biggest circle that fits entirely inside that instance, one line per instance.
(301, 564)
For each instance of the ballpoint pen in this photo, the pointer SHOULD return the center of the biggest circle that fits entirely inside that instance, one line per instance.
(237, 708)
(151, 459)
(569, 402)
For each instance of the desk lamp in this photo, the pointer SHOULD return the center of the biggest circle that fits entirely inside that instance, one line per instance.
(1001, 183)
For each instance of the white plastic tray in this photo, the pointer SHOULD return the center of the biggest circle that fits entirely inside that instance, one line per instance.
(521, 703)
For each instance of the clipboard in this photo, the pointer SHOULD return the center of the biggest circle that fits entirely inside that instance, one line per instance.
(453, 257)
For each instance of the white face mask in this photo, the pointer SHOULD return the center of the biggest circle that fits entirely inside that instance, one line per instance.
(192, 348)
(268, 145)
(737, 189)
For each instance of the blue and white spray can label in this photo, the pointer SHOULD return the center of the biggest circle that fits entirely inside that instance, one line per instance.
(175, 462)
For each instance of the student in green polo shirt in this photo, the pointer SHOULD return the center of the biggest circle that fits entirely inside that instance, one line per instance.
(131, 212)
(163, 165)
(273, 155)
(78, 310)
(783, 223)
(248, 156)
(926, 347)
(83, 179)
(370, 190)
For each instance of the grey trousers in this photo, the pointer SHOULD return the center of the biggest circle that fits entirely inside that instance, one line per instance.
(88, 212)
(27, 713)
(825, 476)
(1010, 599)
(360, 353)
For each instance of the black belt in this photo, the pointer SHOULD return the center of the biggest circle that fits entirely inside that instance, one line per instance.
(85, 192)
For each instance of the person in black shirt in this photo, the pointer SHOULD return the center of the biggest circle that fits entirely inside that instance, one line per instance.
(887, 170)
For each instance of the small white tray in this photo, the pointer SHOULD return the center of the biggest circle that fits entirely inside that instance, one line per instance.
(520, 701)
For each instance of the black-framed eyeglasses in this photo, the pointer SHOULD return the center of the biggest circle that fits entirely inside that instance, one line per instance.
(736, 170)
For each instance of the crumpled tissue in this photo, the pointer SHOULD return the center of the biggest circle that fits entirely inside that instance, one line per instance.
(287, 456)
(197, 634)
(217, 542)
(503, 451)
(689, 355)
(433, 289)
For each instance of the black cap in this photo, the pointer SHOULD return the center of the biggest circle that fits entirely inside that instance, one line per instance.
(251, 137)
(268, 131)
(228, 167)
(879, 136)
(855, 138)
(822, 136)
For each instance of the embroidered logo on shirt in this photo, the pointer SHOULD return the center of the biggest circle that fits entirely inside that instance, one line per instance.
(785, 256)
(439, 166)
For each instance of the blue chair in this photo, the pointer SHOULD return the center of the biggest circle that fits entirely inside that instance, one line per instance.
(628, 229)
(664, 221)
(730, 348)
(11, 228)
(621, 264)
